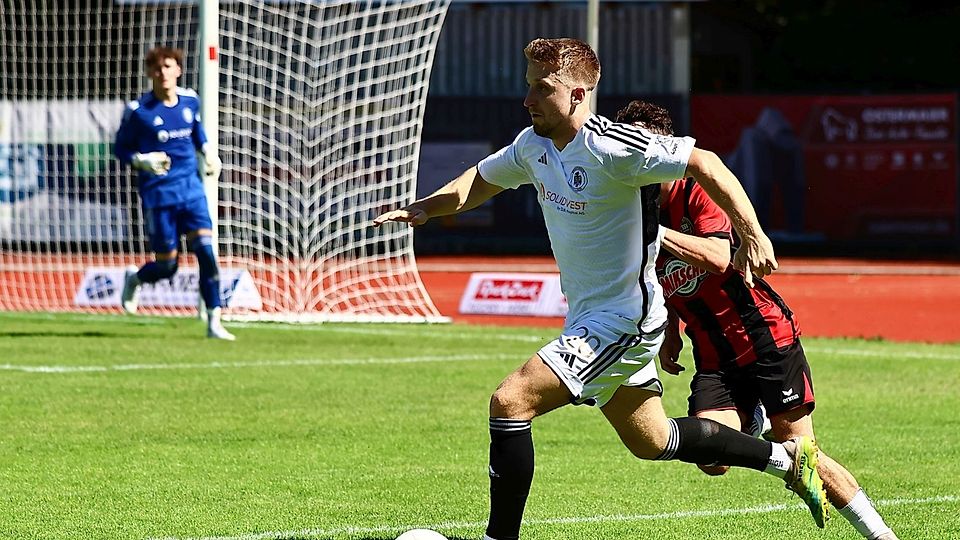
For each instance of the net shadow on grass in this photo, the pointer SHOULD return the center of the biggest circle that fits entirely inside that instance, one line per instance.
(60, 333)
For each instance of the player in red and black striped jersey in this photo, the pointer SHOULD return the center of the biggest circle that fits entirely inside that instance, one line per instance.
(729, 323)
(746, 340)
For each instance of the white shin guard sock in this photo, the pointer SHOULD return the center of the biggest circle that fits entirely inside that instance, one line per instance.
(863, 516)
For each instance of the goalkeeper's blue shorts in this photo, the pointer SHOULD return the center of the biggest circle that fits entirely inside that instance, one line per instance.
(165, 224)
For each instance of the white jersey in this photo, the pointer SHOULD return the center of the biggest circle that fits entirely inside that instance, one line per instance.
(600, 202)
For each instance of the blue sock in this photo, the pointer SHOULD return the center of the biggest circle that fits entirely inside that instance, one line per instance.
(209, 273)
(156, 270)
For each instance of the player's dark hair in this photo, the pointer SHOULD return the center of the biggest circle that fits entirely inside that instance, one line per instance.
(570, 59)
(653, 118)
(157, 55)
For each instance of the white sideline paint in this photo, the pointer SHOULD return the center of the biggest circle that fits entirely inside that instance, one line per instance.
(434, 331)
(901, 354)
(682, 514)
(27, 368)
(259, 363)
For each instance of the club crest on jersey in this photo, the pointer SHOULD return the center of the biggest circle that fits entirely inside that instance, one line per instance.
(187, 115)
(577, 179)
(680, 278)
(686, 226)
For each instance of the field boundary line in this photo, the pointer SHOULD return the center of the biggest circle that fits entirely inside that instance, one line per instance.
(255, 363)
(60, 369)
(454, 526)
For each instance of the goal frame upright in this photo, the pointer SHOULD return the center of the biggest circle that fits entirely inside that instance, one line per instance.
(209, 90)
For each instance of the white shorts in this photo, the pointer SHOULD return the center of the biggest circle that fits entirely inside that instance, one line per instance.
(594, 359)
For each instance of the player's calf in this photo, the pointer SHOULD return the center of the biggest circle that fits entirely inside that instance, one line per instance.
(156, 270)
(209, 285)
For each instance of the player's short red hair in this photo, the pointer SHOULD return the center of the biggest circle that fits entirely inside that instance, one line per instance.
(157, 55)
(571, 60)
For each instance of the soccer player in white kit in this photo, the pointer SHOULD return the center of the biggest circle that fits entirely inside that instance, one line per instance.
(598, 186)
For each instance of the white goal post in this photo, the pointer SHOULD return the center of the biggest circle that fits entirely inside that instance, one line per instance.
(317, 110)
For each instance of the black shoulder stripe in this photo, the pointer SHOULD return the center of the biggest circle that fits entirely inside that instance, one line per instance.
(631, 129)
(621, 133)
(641, 140)
(594, 125)
(633, 143)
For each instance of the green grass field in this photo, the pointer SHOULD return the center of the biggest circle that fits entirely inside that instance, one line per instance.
(138, 427)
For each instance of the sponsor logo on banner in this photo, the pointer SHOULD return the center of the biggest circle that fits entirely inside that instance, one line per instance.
(101, 287)
(536, 295)
(510, 290)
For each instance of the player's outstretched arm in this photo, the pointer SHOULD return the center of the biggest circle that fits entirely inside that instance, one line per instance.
(465, 192)
(755, 255)
(711, 253)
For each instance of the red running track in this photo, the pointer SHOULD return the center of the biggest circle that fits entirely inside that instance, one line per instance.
(892, 300)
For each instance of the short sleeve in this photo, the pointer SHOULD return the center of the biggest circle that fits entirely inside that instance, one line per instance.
(504, 167)
(708, 218)
(664, 159)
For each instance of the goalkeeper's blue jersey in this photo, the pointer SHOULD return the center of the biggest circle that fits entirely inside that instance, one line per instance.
(150, 126)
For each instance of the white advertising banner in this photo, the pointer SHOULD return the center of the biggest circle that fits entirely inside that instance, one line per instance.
(101, 287)
(493, 293)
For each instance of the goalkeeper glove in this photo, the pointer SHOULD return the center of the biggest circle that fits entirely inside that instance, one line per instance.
(157, 163)
(209, 165)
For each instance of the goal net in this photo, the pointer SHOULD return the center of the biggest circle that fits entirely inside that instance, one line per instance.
(320, 109)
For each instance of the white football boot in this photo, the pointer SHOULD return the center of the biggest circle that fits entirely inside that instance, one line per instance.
(130, 296)
(215, 328)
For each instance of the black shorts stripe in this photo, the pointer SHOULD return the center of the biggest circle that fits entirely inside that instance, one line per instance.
(606, 358)
(609, 351)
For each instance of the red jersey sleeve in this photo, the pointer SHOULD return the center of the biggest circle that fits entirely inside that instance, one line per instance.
(708, 218)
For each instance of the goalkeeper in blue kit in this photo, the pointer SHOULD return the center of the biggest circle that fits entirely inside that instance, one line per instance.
(162, 138)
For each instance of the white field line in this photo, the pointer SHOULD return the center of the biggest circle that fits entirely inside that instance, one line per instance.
(28, 368)
(917, 355)
(258, 363)
(615, 518)
(434, 331)
(443, 332)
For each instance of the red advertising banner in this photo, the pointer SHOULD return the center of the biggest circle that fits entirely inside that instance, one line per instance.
(840, 168)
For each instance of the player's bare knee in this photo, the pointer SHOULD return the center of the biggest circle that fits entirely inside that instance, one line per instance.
(508, 402)
(714, 470)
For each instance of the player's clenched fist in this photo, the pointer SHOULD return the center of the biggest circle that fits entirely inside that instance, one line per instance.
(412, 215)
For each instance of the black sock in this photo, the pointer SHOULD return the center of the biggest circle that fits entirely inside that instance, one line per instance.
(705, 442)
(511, 473)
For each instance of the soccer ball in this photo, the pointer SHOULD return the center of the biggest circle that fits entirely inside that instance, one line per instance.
(421, 534)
